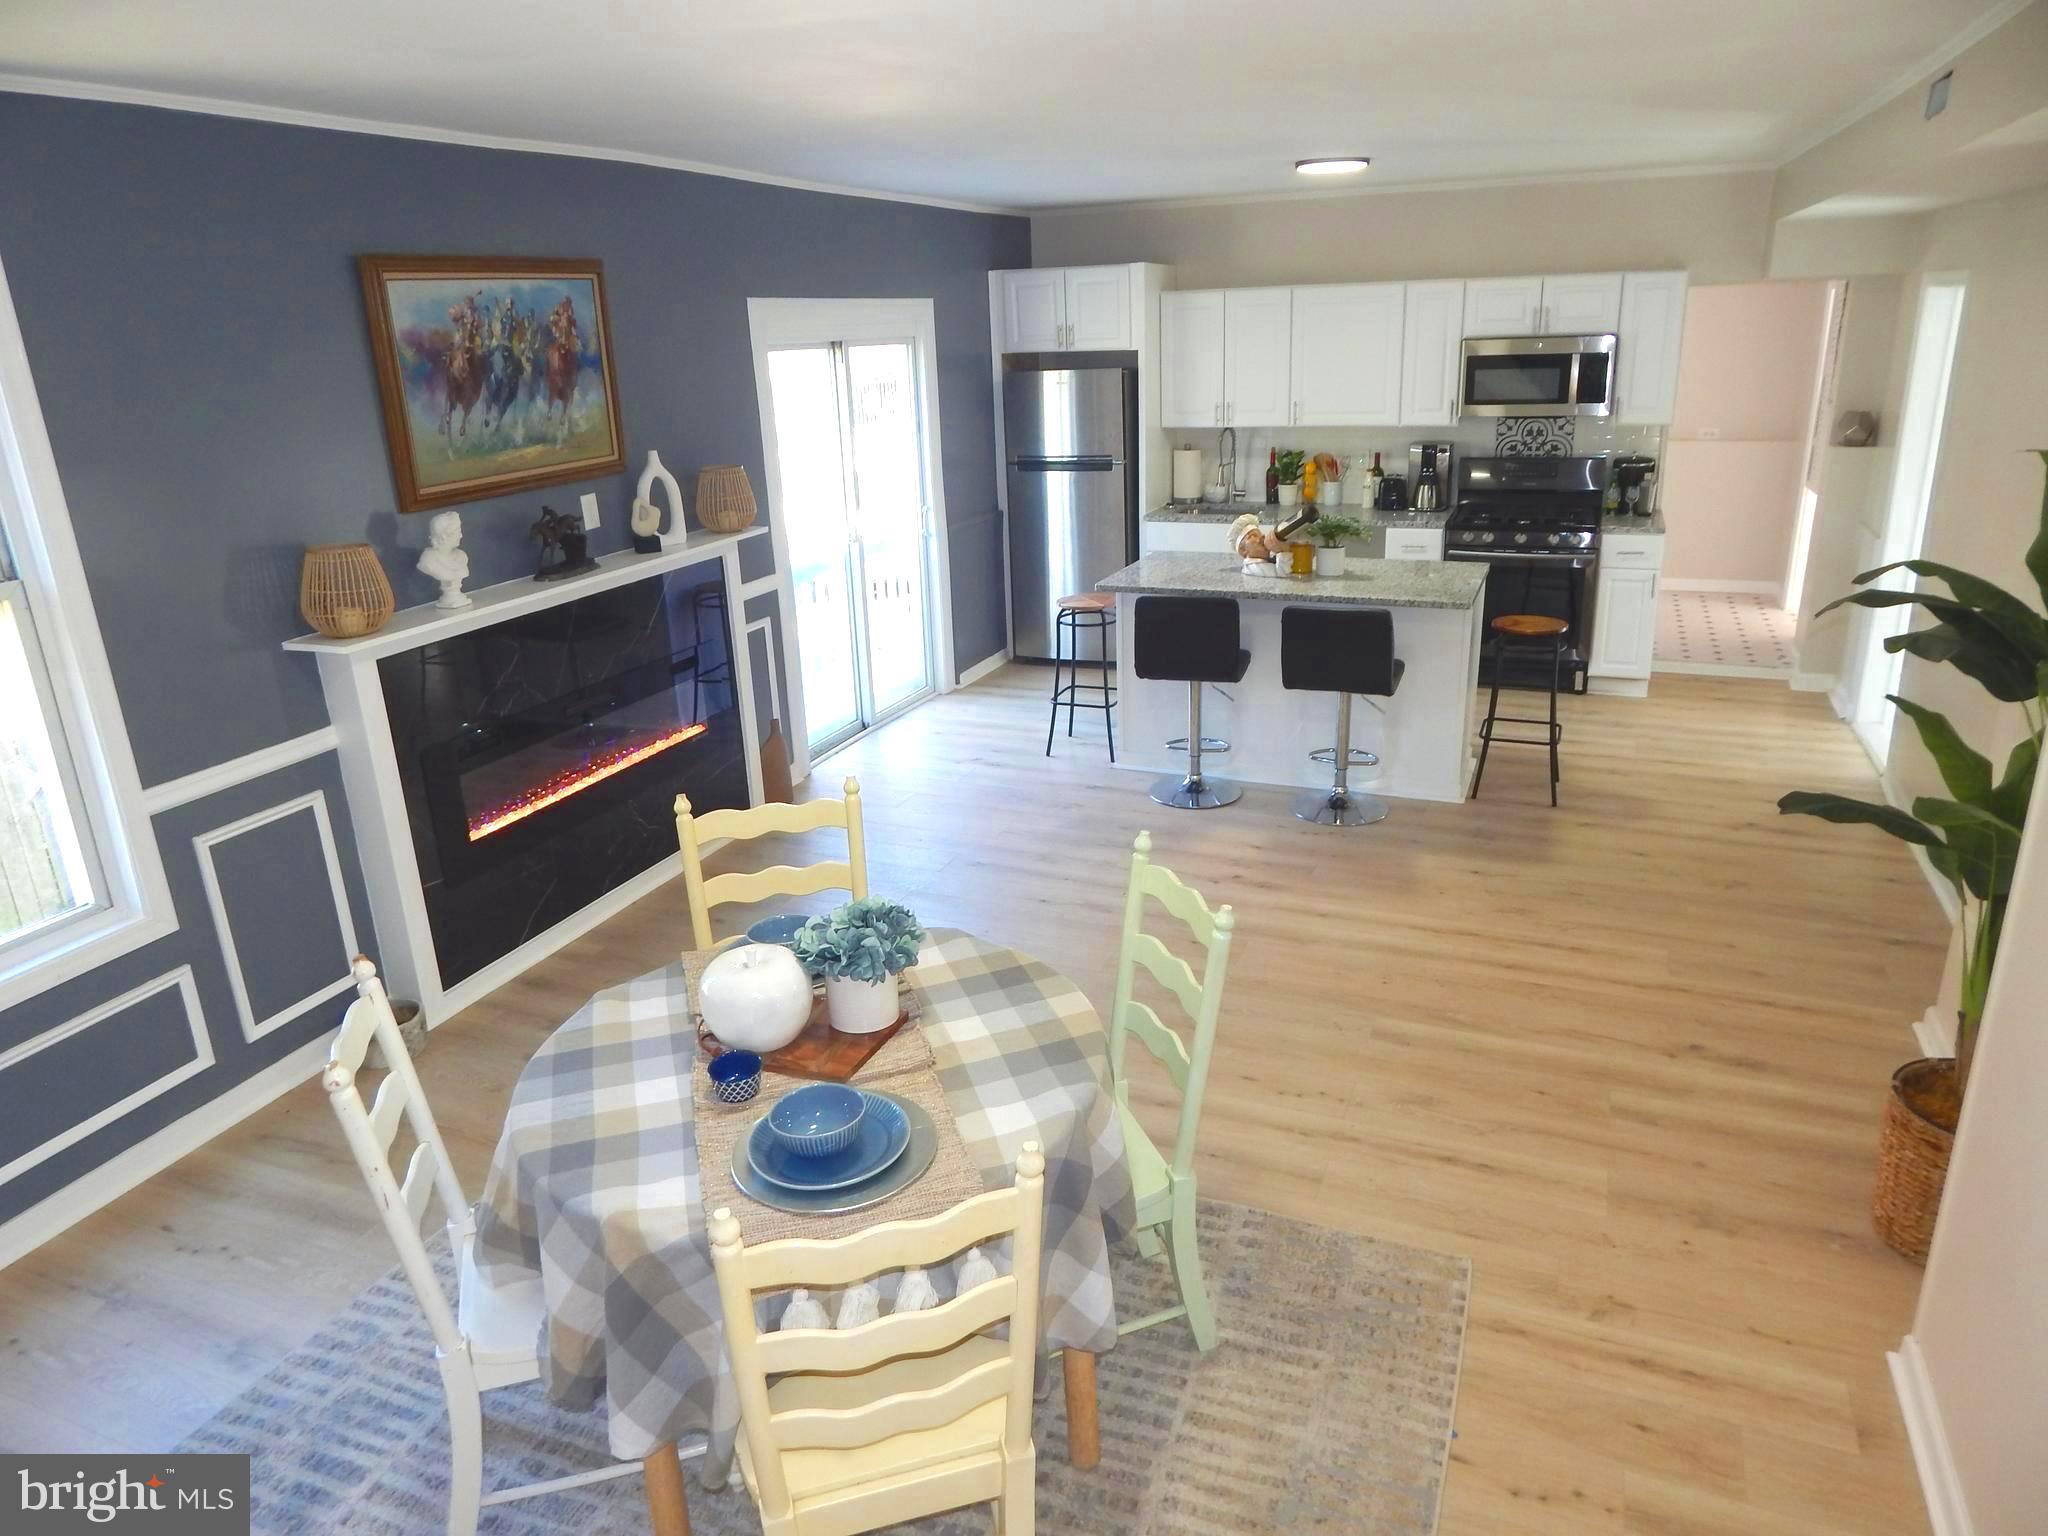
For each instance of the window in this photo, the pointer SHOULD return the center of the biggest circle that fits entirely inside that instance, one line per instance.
(80, 877)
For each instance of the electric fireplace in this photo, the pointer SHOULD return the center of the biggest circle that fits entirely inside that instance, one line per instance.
(540, 758)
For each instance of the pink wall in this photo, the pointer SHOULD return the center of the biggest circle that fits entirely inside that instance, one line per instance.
(1735, 454)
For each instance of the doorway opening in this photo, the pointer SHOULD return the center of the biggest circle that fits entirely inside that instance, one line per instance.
(1903, 522)
(849, 424)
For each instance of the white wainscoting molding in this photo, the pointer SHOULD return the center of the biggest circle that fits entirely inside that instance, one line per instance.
(159, 798)
(203, 845)
(150, 1156)
(985, 666)
(202, 1058)
(1940, 1483)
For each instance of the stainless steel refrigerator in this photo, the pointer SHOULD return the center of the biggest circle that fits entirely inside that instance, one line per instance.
(1071, 435)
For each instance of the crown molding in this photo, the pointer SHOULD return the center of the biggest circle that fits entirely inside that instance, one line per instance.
(1945, 55)
(1384, 188)
(209, 106)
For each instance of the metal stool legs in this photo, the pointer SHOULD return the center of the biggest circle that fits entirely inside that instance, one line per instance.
(1067, 629)
(1554, 733)
(1337, 806)
(1193, 792)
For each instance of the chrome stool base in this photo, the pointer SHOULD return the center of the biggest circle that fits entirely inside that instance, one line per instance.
(1339, 808)
(1209, 744)
(1195, 793)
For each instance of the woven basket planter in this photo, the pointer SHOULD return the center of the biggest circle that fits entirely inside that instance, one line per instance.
(342, 591)
(725, 502)
(1912, 1165)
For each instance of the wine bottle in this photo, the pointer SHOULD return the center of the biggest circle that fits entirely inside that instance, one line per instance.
(1373, 478)
(1272, 477)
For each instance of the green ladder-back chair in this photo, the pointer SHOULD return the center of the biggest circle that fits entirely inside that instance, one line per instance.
(1166, 1190)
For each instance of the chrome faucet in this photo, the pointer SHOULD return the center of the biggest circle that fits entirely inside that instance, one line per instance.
(1226, 458)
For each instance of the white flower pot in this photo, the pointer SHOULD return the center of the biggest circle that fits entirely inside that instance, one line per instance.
(1290, 495)
(861, 1007)
(755, 998)
(1330, 562)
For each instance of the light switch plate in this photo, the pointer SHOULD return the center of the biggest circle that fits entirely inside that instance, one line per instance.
(590, 509)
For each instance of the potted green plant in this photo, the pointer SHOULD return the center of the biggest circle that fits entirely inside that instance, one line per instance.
(1971, 836)
(1289, 465)
(861, 951)
(1332, 533)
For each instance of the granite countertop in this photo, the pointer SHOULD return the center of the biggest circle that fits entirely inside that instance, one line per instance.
(1225, 513)
(1621, 522)
(1365, 583)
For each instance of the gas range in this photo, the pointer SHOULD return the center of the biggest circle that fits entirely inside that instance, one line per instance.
(1526, 508)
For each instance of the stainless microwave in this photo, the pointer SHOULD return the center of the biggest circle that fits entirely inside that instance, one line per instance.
(1538, 376)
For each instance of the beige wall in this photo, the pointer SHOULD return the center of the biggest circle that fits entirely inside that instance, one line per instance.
(1717, 227)
(1735, 455)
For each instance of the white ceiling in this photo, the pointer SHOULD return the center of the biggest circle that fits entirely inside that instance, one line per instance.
(1044, 102)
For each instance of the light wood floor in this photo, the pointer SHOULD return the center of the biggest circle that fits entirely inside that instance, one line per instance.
(1627, 1055)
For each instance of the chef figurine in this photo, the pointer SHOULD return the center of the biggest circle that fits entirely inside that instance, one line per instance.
(445, 560)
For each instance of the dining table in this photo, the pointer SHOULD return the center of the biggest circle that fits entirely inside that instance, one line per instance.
(596, 1187)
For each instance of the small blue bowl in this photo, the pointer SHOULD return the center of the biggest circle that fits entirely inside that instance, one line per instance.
(735, 1076)
(817, 1119)
(779, 929)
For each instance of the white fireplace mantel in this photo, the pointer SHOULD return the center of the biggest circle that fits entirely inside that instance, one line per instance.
(376, 798)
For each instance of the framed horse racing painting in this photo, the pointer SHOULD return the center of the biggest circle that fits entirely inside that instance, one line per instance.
(495, 373)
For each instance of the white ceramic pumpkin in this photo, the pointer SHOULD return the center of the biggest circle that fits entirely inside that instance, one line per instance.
(755, 998)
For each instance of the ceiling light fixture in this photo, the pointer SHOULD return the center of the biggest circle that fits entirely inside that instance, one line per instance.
(1333, 165)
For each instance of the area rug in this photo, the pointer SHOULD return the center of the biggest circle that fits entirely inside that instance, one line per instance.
(1326, 1407)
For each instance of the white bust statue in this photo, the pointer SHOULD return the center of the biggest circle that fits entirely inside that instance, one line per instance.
(445, 560)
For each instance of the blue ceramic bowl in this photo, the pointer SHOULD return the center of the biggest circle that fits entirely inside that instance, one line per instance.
(735, 1076)
(817, 1119)
(779, 929)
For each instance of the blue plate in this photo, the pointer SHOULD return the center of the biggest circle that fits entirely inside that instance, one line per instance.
(779, 929)
(884, 1133)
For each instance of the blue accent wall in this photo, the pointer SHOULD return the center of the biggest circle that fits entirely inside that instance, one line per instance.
(187, 289)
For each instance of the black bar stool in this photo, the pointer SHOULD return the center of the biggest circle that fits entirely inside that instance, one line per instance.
(1083, 611)
(1527, 632)
(1341, 651)
(1190, 640)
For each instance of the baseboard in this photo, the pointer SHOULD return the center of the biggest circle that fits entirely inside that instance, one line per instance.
(1940, 1483)
(1936, 881)
(1619, 687)
(150, 1156)
(1720, 669)
(1935, 1037)
(984, 667)
(1813, 682)
(1710, 584)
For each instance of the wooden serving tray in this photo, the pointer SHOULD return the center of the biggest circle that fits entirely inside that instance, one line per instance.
(820, 1052)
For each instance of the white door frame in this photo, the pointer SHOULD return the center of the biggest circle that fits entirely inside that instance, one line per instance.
(819, 322)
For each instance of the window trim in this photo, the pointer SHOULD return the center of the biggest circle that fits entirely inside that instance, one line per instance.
(137, 907)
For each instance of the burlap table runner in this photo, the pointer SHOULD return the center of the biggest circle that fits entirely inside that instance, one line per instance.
(903, 1067)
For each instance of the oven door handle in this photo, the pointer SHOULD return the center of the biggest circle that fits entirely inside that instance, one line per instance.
(1508, 557)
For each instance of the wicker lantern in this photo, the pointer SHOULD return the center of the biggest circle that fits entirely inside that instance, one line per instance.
(725, 502)
(343, 592)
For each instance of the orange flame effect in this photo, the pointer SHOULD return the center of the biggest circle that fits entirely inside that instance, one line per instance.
(565, 784)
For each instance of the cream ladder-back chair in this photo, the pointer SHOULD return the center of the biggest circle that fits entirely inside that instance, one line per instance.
(1166, 1191)
(490, 1338)
(906, 1416)
(783, 879)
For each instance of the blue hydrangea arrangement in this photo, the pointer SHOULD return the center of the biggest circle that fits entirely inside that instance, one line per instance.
(868, 939)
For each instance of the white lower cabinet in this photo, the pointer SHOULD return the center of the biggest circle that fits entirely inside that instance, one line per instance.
(1415, 544)
(1625, 609)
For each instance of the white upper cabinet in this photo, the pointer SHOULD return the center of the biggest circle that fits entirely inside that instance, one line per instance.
(1429, 352)
(1191, 359)
(1099, 309)
(1258, 339)
(1034, 310)
(1347, 355)
(1584, 304)
(1067, 309)
(1504, 306)
(1652, 323)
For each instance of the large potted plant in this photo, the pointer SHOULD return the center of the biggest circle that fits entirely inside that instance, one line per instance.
(1971, 836)
(861, 950)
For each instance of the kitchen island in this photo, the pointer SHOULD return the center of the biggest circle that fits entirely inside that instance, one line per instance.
(1423, 734)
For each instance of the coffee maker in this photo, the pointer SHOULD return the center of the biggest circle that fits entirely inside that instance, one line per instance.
(1633, 473)
(1429, 476)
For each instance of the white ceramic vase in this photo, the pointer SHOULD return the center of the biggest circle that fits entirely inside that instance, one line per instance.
(755, 998)
(861, 1007)
(1330, 562)
(1290, 495)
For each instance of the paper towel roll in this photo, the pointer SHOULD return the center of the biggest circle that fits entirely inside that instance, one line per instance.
(1187, 474)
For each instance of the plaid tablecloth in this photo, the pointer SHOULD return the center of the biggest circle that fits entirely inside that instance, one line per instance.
(594, 1183)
